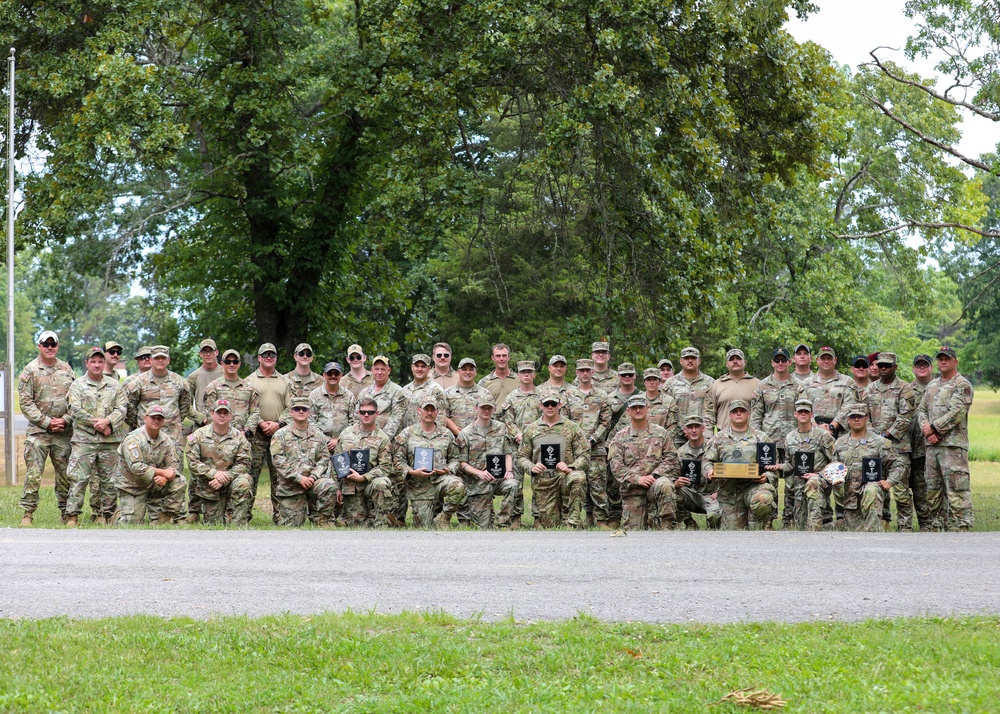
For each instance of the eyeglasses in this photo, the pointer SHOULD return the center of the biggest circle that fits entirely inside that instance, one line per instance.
(230, 361)
(138, 357)
(353, 358)
(269, 355)
(305, 353)
(779, 360)
(115, 352)
(443, 354)
(366, 412)
(300, 409)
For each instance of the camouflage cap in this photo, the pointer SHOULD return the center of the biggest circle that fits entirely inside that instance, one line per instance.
(232, 353)
(421, 357)
(48, 335)
(95, 350)
(379, 358)
(735, 353)
(146, 351)
(355, 350)
(802, 346)
(526, 366)
(780, 352)
(222, 405)
(666, 362)
(650, 373)
(585, 364)
(155, 411)
(111, 343)
(332, 367)
(266, 347)
(690, 352)
(803, 404)
(857, 409)
(860, 358)
(467, 361)
(945, 351)
(626, 368)
(486, 399)
(159, 351)
(600, 347)
(556, 359)
(738, 404)
(827, 351)
(428, 402)
(303, 346)
(886, 358)
(637, 400)
(922, 358)
(694, 420)
(207, 343)
(300, 402)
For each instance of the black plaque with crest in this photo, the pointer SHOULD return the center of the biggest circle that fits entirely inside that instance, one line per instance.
(767, 454)
(360, 460)
(871, 469)
(550, 455)
(342, 464)
(691, 470)
(804, 462)
(496, 465)
(423, 458)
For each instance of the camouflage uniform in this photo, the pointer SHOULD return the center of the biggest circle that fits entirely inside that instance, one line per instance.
(95, 454)
(44, 395)
(918, 454)
(169, 391)
(893, 409)
(697, 499)
(427, 494)
(618, 400)
(140, 456)
(303, 386)
(634, 454)
(739, 498)
(198, 382)
(332, 413)
(863, 503)
(355, 385)
(945, 406)
(692, 399)
(499, 387)
(830, 398)
(592, 413)
(809, 496)
(244, 403)
(801, 378)
(773, 412)
(663, 412)
(461, 403)
(415, 393)
(552, 489)
(368, 504)
(520, 410)
(559, 390)
(392, 404)
(274, 408)
(474, 443)
(298, 453)
(209, 452)
(605, 381)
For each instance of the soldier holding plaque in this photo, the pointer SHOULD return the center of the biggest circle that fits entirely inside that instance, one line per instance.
(808, 449)
(693, 492)
(486, 464)
(363, 462)
(872, 469)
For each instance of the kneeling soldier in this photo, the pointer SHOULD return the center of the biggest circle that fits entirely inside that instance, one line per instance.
(302, 465)
(367, 497)
(150, 471)
(872, 469)
(219, 458)
(808, 449)
(693, 492)
(485, 440)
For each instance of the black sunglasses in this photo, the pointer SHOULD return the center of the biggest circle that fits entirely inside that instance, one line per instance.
(353, 358)
(366, 412)
(144, 357)
(779, 360)
(230, 361)
(300, 409)
(443, 354)
(114, 352)
(305, 353)
(270, 355)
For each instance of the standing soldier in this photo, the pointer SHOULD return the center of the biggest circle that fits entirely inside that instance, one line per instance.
(302, 380)
(739, 498)
(590, 408)
(421, 388)
(860, 367)
(273, 395)
(97, 408)
(462, 398)
(604, 377)
(893, 409)
(243, 399)
(944, 422)
(144, 363)
(43, 389)
(557, 488)
(113, 354)
(302, 469)
(923, 372)
(735, 384)
(333, 407)
(863, 490)
(522, 407)
(200, 378)
(429, 486)
(388, 395)
(150, 470)
(642, 458)
(662, 407)
(219, 458)
(486, 438)
(808, 450)
(443, 374)
(500, 382)
(666, 368)
(690, 390)
(773, 412)
(830, 392)
(556, 383)
(695, 495)
(619, 399)
(358, 377)
(368, 498)
(802, 358)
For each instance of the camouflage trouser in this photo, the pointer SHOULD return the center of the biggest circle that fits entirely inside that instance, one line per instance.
(317, 501)
(614, 498)
(947, 476)
(652, 508)
(132, 508)
(153, 505)
(694, 501)
(868, 515)
(901, 495)
(552, 492)
(260, 451)
(480, 506)
(231, 506)
(448, 496)
(757, 499)
(87, 463)
(815, 497)
(596, 503)
(37, 448)
(369, 505)
(918, 486)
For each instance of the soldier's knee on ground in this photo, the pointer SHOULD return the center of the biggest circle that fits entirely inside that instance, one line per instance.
(763, 504)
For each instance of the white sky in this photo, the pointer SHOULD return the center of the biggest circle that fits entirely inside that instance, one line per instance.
(850, 29)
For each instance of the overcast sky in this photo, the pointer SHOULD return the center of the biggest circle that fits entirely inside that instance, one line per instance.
(850, 29)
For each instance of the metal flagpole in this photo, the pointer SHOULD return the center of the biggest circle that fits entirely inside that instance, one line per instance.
(11, 456)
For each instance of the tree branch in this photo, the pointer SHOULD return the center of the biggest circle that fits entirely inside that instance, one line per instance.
(916, 224)
(848, 187)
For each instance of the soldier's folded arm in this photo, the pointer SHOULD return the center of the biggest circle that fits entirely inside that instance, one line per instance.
(29, 409)
(958, 404)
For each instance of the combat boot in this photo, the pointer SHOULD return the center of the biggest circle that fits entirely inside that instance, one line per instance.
(442, 521)
(26, 519)
(602, 525)
(72, 521)
(767, 526)
(323, 522)
(515, 523)
(192, 518)
(691, 524)
(163, 519)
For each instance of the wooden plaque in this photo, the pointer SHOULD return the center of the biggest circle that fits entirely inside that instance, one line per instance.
(737, 471)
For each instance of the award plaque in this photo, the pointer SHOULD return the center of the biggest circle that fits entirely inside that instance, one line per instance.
(423, 458)
(342, 464)
(360, 460)
(804, 462)
(767, 454)
(871, 470)
(737, 471)
(496, 465)
(691, 470)
(550, 455)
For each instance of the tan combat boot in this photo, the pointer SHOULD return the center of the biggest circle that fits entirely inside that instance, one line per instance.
(323, 522)
(72, 521)
(26, 519)
(192, 518)
(442, 521)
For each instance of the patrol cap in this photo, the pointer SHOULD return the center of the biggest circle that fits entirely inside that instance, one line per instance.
(300, 402)
(556, 359)
(827, 351)
(693, 420)
(332, 367)
(637, 400)
(626, 368)
(467, 361)
(600, 347)
(486, 399)
(738, 404)
(802, 346)
(550, 397)
(379, 358)
(779, 352)
(222, 405)
(664, 361)
(857, 409)
(266, 347)
(526, 366)
(585, 364)
(945, 351)
(155, 411)
(147, 351)
(428, 402)
(922, 358)
(886, 358)
(420, 357)
(207, 343)
(860, 359)
(111, 343)
(159, 351)
(650, 373)
(690, 352)
(303, 346)
(48, 335)
(803, 404)
(355, 350)
(735, 353)
(95, 350)
(232, 353)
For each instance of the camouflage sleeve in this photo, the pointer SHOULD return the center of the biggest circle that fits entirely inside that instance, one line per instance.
(581, 449)
(321, 462)
(786, 465)
(712, 452)
(757, 408)
(602, 428)
(133, 394)
(709, 413)
(852, 397)
(899, 431)
(211, 397)
(397, 409)
(192, 387)
(892, 465)
(525, 452)
(672, 423)
(136, 463)
(451, 455)
(253, 413)
(384, 458)
(279, 457)
(172, 462)
(462, 449)
(616, 462)
(243, 457)
(196, 463)
(186, 404)
(119, 409)
(26, 394)
(826, 446)
(670, 463)
(443, 408)
(286, 414)
(77, 413)
(352, 409)
(959, 404)
(400, 455)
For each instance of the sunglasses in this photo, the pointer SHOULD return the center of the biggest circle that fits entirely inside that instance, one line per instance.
(443, 354)
(300, 409)
(230, 361)
(114, 352)
(550, 404)
(333, 374)
(269, 355)
(144, 357)
(779, 360)
(50, 345)
(305, 353)
(353, 358)
(366, 412)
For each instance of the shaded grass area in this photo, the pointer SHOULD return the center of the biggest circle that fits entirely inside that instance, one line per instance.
(434, 662)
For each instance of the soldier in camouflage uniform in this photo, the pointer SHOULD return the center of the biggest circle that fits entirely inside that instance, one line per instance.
(357, 377)
(695, 497)
(944, 422)
(333, 406)
(923, 373)
(666, 368)
(802, 358)
(219, 458)
(305, 486)
(463, 397)
(243, 399)
(97, 408)
(273, 394)
(590, 408)
(558, 492)
(642, 458)
(43, 388)
(368, 498)
(830, 392)
(619, 398)
(442, 373)
(389, 396)
(556, 383)
(428, 489)
(500, 382)
(420, 389)
(690, 390)
(198, 381)
(144, 363)
(809, 491)
(662, 407)
(522, 407)
(773, 412)
(604, 378)
(487, 436)
(302, 380)
(739, 498)
(893, 409)
(863, 500)
(150, 470)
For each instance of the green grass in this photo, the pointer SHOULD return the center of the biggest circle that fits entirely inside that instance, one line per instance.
(984, 426)
(434, 662)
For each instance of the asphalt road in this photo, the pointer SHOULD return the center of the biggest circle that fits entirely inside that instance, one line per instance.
(659, 577)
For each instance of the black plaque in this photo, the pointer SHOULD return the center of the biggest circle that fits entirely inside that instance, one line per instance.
(550, 455)
(767, 454)
(871, 470)
(423, 458)
(691, 470)
(342, 464)
(804, 463)
(496, 465)
(360, 460)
